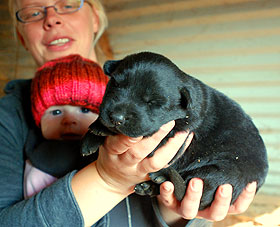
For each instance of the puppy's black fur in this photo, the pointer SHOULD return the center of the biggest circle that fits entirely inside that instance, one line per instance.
(147, 90)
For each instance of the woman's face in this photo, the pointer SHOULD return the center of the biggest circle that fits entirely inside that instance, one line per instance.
(59, 35)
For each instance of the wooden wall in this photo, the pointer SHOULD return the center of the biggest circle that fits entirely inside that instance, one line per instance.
(232, 45)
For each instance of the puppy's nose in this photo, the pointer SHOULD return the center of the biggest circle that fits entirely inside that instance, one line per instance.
(117, 118)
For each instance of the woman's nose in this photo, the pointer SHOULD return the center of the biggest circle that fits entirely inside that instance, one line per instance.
(52, 19)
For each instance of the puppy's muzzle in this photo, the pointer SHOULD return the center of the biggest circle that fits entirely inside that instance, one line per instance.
(117, 119)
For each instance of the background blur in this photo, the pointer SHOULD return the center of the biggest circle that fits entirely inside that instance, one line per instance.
(232, 45)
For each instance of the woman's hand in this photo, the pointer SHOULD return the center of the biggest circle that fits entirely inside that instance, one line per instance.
(188, 207)
(123, 162)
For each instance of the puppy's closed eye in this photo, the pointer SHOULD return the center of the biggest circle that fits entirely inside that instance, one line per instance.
(154, 101)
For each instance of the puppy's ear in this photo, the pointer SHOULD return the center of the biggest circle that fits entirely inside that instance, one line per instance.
(110, 66)
(185, 98)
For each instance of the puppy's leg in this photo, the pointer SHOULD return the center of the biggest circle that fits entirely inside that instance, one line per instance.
(151, 188)
(94, 137)
(97, 128)
(91, 143)
(172, 175)
(147, 188)
(179, 183)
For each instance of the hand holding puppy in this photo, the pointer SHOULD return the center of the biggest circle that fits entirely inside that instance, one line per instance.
(119, 160)
(123, 161)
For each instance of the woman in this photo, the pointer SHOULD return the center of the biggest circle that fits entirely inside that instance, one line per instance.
(101, 193)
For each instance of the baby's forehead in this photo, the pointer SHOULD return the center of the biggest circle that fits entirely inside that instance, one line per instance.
(64, 107)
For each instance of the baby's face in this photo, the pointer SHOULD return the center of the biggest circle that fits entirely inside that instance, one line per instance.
(66, 122)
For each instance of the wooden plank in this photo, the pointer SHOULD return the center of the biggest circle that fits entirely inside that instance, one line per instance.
(202, 20)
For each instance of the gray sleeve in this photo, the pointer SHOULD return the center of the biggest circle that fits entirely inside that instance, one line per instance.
(159, 217)
(182, 222)
(53, 206)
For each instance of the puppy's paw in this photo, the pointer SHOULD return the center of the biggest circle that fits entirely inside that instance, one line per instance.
(147, 188)
(151, 187)
(97, 128)
(170, 174)
(158, 177)
(91, 143)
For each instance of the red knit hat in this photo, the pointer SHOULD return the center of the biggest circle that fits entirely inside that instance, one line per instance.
(70, 80)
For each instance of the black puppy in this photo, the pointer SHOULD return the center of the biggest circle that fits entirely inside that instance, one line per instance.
(147, 90)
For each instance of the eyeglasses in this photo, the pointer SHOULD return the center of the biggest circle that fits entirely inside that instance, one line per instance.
(36, 13)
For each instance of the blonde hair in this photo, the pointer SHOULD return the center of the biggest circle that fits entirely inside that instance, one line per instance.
(103, 21)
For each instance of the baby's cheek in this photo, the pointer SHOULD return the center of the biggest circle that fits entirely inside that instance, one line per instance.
(51, 130)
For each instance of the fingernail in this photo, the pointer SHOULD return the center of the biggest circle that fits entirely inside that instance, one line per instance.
(226, 190)
(167, 188)
(251, 187)
(168, 125)
(196, 185)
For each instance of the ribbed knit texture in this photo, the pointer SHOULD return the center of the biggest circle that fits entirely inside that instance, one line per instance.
(70, 80)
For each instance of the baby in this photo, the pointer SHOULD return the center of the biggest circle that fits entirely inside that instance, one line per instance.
(65, 96)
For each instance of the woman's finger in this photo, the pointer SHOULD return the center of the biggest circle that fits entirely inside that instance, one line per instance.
(191, 201)
(220, 206)
(164, 154)
(166, 196)
(244, 199)
(143, 148)
(148, 144)
(119, 144)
